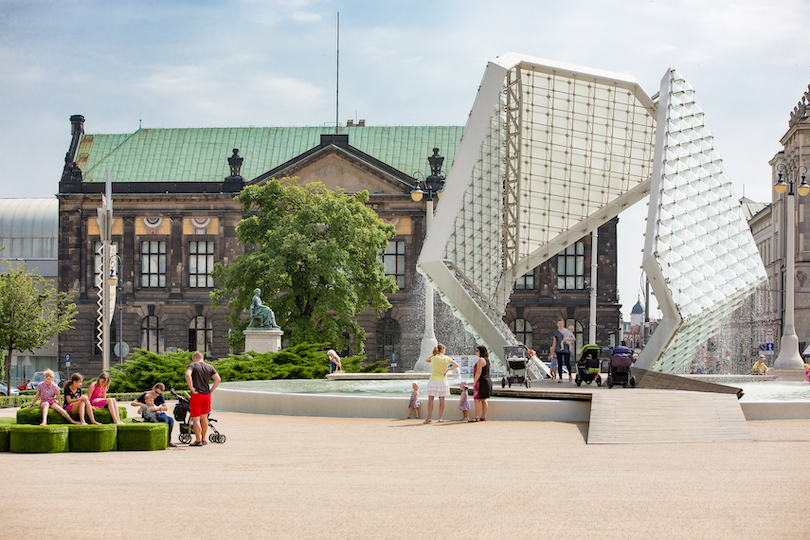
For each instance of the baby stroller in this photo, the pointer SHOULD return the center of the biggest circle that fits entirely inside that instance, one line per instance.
(517, 361)
(588, 365)
(181, 414)
(620, 362)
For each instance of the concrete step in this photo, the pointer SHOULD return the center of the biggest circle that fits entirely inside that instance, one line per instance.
(633, 416)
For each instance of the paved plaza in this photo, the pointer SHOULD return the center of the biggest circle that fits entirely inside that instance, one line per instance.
(304, 477)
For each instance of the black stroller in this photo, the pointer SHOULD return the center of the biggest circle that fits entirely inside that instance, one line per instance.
(181, 414)
(588, 365)
(517, 362)
(620, 361)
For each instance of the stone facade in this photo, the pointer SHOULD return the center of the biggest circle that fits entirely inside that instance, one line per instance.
(181, 213)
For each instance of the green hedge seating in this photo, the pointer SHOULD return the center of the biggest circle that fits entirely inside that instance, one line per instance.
(5, 436)
(146, 436)
(92, 438)
(33, 415)
(49, 439)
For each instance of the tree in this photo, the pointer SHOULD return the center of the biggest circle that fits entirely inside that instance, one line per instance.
(31, 312)
(314, 253)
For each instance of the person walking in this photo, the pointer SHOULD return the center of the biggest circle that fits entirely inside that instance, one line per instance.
(438, 385)
(198, 376)
(562, 349)
(482, 383)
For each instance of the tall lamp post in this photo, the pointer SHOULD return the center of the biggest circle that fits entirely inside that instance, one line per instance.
(427, 189)
(121, 348)
(789, 356)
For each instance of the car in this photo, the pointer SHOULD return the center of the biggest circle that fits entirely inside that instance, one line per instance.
(39, 376)
(4, 390)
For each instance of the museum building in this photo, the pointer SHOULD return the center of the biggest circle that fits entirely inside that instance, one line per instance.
(175, 216)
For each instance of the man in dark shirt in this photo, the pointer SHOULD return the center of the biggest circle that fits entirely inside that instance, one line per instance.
(198, 375)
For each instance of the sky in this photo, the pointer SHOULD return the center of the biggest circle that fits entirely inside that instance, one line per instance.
(237, 63)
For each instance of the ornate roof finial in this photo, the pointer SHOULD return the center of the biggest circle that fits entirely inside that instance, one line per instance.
(235, 162)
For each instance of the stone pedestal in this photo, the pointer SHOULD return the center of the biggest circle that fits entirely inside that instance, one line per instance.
(262, 341)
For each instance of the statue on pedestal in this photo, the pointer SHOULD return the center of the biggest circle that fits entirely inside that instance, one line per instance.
(261, 316)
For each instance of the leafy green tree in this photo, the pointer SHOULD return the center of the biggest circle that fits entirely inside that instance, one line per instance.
(31, 312)
(314, 253)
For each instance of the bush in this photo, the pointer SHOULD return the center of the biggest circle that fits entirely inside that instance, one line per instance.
(33, 416)
(92, 438)
(143, 369)
(147, 436)
(5, 436)
(31, 439)
(303, 361)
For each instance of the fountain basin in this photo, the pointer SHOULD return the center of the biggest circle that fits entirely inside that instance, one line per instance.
(388, 398)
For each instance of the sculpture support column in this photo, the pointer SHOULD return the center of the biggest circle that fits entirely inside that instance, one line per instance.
(428, 336)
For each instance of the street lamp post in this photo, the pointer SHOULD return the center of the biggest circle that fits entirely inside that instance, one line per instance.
(789, 356)
(427, 189)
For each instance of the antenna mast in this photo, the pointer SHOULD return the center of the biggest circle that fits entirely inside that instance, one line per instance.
(337, 74)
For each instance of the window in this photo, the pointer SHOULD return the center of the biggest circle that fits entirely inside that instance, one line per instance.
(200, 335)
(152, 335)
(525, 282)
(388, 340)
(522, 330)
(200, 264)
(571, 268)
(97, 261)
(394, 261)
(153, 263)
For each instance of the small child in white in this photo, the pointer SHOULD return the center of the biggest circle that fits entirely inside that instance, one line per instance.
(413, 404)
(149, 410)
(464, 403)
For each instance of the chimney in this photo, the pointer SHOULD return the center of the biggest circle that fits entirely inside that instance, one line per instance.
(361, 123)
(349, 123)
(72, 172)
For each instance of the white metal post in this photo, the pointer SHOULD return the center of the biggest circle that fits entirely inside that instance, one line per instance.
(594, 239)
(789, 356)
(429, 340)
(105, 268)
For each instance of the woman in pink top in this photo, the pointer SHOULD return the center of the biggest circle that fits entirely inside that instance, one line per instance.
(99, 399)
(48, 396)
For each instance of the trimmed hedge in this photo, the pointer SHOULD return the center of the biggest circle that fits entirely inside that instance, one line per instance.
(146, 436)
(30, 439)
(5, 437)
(92, 438)
(21, 401)
(33, 415)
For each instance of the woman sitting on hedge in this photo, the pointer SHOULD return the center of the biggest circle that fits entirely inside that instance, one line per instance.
(75, 402)
(99, 399)
(47, 393)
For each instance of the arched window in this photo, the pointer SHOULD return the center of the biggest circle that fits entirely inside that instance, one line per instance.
(200, 335)
(522, 330)
(388, 340)
(152, 335)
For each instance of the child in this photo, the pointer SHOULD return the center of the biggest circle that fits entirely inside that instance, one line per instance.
(149, 410)
(464, 404)
(807, 373)
(553, 367)
(47, 394)
(413, 404)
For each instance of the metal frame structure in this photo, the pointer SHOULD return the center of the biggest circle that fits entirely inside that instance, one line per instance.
(550, 152)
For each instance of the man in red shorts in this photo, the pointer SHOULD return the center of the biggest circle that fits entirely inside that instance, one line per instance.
(198, 375)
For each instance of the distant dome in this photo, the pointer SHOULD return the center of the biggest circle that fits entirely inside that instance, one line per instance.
(637, 309)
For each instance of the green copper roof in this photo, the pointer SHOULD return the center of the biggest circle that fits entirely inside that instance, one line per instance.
(201, 154)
